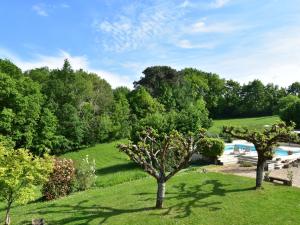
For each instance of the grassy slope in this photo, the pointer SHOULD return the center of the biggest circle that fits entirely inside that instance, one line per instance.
(192, 198)
(113, 167)
(254, 123)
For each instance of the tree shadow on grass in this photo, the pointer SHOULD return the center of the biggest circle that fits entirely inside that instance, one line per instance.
(116, 168)
(181, 201)
(189, 197)
(83, 214)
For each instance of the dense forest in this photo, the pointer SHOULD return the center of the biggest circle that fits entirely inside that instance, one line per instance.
(61, 110)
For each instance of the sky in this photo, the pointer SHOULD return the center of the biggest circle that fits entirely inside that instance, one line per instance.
(117, 39)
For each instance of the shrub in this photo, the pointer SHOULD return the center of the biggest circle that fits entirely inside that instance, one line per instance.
(61, 180)
(85, 174)
(211, 147)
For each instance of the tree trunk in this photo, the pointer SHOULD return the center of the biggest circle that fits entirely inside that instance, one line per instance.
(7, 216)
(161, 187)
(259, 173)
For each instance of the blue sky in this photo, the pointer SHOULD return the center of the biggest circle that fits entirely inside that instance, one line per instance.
(118, 39)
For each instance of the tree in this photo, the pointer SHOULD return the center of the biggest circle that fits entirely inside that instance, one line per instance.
(142, 103)
(230, 101)
(264, 141)
(156, 78)
(121, 116)
(10, 69)
(193, 117)
(254, 101)
(152, 153)
(289, 107)
(294, 89)
(20, 172)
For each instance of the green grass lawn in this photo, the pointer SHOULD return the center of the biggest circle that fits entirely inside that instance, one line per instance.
(113, 167)
(253, 123)
(125, 195)
(191, 198)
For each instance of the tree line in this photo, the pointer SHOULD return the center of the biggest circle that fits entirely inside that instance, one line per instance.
(59, 110)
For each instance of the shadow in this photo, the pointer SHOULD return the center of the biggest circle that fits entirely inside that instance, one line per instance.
(83, 214)
(196, 196)
(182, 199)
(116, 168)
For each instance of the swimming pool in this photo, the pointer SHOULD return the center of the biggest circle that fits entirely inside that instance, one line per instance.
(278, 151)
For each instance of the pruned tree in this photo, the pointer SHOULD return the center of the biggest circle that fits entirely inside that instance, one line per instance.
(264, 141)
(162, 156)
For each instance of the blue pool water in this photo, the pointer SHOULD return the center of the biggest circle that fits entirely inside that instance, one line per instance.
(278, 151)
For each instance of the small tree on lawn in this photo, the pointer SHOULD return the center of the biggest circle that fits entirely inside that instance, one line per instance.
(162, 156)
(265, 142)
(20, 171)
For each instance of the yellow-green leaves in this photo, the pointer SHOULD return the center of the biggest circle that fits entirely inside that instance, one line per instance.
(20, 171)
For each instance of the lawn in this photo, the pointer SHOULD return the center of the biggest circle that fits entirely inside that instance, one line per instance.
(192, 198)
(113, 167)
(253, 123)
(125, 195)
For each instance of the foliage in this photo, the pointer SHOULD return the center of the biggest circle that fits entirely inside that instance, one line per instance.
(142, 103)
(294, 89)
(193, 117)
(60, 110)
(85, 174)
(264, 141)
(20, 172)
(289, 109)
(61, 179)
(211, 147)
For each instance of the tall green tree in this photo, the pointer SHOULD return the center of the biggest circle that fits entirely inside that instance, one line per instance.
(289, 108)
(142, 103)
(294, 89)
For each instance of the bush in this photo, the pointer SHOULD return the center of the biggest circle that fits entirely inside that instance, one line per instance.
(85, 174)
(211, 147)
(61, 180)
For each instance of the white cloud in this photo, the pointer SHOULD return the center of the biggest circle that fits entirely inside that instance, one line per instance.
(56, 61)
(185, 4)
(40, 9)
(188, 45)
(219, 27)
(44, 9)
(219, 3)
(64, 5)
(138, 29)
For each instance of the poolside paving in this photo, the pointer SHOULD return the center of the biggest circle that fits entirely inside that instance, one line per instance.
(251, 172)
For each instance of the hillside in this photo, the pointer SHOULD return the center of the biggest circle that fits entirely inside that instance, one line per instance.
(253, 123)
(192, 198)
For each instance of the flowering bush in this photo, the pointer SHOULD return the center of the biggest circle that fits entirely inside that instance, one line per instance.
(61, 180)
(85, 174)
